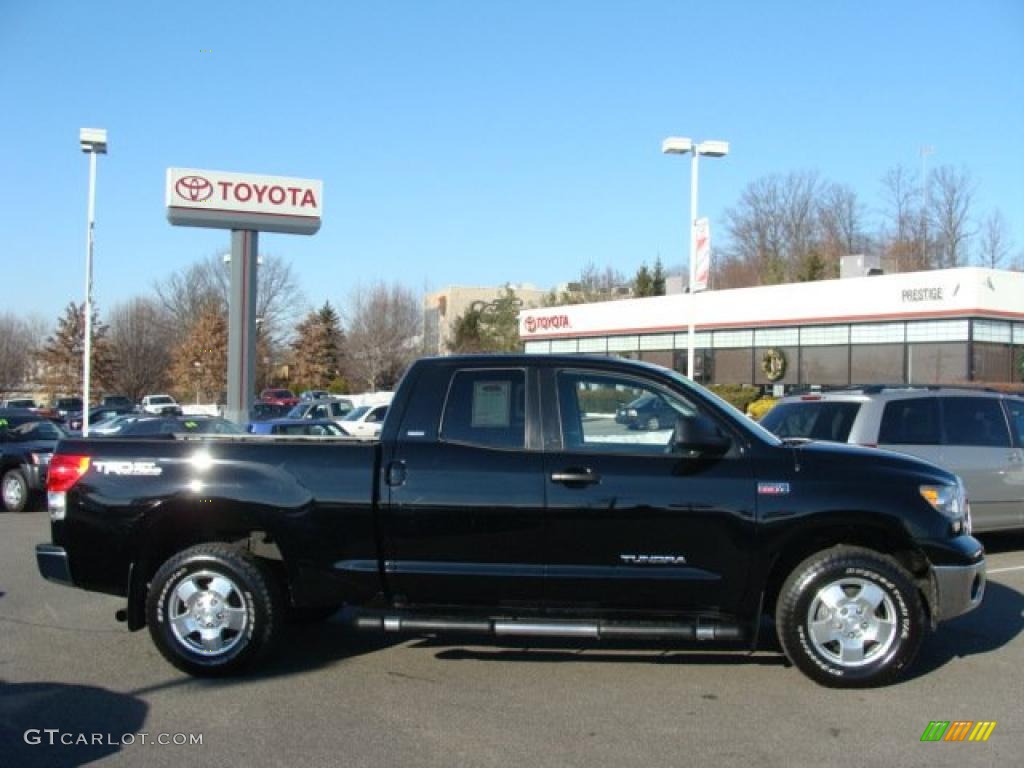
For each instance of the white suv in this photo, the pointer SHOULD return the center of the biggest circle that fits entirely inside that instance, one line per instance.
(161, 405)
(978, 434)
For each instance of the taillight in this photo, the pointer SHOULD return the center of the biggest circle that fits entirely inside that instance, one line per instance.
(65, 471)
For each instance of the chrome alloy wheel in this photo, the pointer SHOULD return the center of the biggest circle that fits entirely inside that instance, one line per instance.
(13, 491)
(852, 622)
(207, 613)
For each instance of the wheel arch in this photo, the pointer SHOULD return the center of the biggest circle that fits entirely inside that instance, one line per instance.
(890, 541)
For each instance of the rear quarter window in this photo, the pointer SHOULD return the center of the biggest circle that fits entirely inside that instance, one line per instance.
(816, 420)
(913, 421)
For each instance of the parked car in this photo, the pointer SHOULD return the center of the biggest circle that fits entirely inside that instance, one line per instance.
(65, 406)
(96, 415)
(334, 408)
(279, 397)
(364, 421)
(314, 394)
(114, 424)
(19, 402)
(312, 427)
(160, 405)
(647, 412)
(492, 505)
(265, 411)
(27, 442)
(975, 433)
(117, 401)
(168, 426)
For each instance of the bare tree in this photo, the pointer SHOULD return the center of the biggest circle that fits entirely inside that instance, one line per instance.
(905, 236)
(995, 244)
(20, 341)
(951, 195)
(279, 300)
(141, 344)
(383, 329)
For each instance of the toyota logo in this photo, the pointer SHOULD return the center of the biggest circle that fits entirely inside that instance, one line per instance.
(531, 325)
(194, 188)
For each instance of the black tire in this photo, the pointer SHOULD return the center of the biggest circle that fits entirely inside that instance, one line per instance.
(16, 494)
(214, 610)
(849, 617)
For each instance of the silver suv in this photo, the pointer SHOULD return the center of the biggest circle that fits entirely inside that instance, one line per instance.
(977, 434)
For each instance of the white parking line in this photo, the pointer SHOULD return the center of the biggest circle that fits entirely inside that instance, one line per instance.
(1004, 570)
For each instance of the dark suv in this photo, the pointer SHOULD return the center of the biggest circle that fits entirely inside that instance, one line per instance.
(978, 434)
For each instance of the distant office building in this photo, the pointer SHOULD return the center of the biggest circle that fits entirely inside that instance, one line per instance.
(939, 327)
(443, 308)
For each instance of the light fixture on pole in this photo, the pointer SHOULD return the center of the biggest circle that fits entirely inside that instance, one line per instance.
(93, 141)
(675, 145)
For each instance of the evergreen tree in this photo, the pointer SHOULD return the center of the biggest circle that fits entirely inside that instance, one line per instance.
(199, 366)
(489, 326)
(318, 348)
(643, 285)
(658, 278)
(63, 351)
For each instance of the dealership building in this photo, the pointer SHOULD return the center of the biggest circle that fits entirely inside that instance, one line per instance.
(937, 327)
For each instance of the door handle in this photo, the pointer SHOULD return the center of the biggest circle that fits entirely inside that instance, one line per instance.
(396, 474)
(575, 477)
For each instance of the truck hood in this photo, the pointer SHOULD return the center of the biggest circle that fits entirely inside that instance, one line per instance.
(825, 456)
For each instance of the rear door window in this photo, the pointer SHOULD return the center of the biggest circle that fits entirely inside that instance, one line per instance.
(820, 420)
(975, 421)
(486, 408)
(1015, 410)
(914, 421)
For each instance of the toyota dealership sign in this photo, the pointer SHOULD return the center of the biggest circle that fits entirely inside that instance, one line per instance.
(243, 201)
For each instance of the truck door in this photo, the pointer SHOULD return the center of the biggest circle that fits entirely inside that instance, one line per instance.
(632, 522)
(464, 518)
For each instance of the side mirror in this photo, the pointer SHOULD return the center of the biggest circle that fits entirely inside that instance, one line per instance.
(699, 434)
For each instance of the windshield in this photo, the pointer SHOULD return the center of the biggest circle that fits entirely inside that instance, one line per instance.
(355, 413)
(161, 400)
(815, 420)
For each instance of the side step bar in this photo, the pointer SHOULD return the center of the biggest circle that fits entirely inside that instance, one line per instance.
(699, 630)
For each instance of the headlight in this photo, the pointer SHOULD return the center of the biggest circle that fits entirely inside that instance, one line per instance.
(950, 500)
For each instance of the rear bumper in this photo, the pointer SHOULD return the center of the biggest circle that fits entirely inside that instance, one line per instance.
(959, 589)
(53, 564)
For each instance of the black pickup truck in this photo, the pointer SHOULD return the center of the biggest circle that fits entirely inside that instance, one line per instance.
(505, 498)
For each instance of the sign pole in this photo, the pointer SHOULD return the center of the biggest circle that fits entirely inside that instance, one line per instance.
(242, 325)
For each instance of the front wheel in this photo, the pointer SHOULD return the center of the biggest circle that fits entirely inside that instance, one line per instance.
(213, 610)
(850, 617)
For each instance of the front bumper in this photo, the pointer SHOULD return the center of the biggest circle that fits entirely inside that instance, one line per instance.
(958, 588)
(53, 564)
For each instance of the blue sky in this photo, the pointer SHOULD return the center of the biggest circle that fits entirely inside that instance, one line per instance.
(476, 142)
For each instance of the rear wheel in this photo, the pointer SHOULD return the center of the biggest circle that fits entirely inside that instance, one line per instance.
(213, 610)
(850, 617)
(15, 490)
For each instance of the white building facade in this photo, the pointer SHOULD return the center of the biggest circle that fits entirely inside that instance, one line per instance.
(937, 327)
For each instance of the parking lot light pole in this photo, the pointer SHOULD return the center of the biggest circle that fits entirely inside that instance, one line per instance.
(680, 146)
(93, 141)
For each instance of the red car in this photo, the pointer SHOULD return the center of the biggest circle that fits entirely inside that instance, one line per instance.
(279, 397)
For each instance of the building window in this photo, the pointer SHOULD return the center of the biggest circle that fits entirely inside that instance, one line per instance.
(878, 333)
(623, 343)
(732, 339)
(937, 363)
(702, 340)
(776, 337)
(991, 330)
(992, 362)
(825, 336)
(537, 347)
(656, 341)
(938, 330)
(825, 365)
(662, 358)
(732, 366)
(876, 364)
(594, 346)
(563, 346)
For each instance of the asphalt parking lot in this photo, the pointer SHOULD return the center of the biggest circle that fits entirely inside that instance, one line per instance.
(335, 698)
